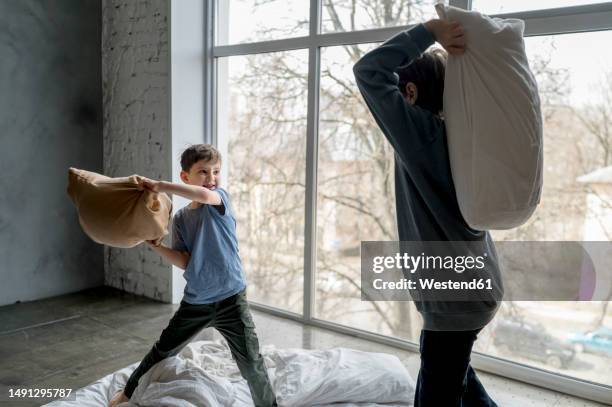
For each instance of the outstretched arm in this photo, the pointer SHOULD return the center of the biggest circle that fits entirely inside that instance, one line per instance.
(193, 192)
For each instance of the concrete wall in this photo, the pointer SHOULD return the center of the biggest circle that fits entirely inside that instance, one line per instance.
(50, 119)
(136, 103)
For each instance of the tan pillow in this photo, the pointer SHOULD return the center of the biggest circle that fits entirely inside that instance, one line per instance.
(114, 212)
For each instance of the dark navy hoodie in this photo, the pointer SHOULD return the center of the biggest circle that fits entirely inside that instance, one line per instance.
(427, 207)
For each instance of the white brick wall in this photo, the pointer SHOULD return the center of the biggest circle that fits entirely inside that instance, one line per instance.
(136, 105)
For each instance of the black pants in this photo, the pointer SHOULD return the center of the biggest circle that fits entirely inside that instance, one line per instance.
(446, 378)
(232, 318)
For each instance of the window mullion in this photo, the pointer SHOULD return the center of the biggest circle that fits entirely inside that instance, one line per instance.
(312, 140)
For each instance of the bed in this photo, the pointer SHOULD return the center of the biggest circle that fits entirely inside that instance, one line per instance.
(204, 374)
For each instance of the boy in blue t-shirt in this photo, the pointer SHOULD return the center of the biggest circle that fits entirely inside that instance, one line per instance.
(204, 244)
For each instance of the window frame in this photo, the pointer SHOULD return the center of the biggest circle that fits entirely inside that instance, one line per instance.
(574, 19)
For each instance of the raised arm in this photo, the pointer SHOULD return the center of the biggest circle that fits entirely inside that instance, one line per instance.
(408, 128)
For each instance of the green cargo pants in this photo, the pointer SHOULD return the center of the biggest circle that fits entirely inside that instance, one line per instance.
(233, 320)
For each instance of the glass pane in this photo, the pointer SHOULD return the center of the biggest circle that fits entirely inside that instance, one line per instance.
(575, 83)
(509, 6)
(240, 21)
(356, 201)
(350, 15)
(262, 130)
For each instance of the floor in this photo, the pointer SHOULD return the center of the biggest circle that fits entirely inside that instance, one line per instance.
(72, 340)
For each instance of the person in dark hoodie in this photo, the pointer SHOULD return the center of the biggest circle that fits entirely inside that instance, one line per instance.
(403, 84)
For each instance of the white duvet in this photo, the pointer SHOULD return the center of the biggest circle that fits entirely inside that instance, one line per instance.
(204, 374)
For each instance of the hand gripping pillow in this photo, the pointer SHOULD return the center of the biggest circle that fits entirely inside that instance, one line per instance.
(493, 122)
(115, 212)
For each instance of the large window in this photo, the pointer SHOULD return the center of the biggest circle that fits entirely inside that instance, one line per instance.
(312, 176)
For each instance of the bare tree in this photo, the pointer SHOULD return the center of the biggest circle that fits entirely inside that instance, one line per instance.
(596, 118)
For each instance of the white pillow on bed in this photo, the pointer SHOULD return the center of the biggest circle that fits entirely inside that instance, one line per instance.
(306, 378)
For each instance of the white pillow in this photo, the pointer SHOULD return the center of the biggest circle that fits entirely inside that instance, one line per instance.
(307, 378)
(493, 122)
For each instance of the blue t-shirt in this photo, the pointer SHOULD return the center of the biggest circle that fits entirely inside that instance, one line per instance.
(208, 233)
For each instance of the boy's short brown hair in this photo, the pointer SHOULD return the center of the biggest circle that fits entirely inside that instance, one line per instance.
(427, 73)
(197, 152)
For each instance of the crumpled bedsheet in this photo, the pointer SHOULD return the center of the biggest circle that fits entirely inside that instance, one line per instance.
(204, 374)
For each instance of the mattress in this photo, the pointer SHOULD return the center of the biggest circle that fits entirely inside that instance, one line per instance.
(204, 374)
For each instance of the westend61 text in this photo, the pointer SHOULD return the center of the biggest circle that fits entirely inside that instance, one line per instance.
(431, 284)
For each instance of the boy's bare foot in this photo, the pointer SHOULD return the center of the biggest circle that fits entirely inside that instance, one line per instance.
(119, 398)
